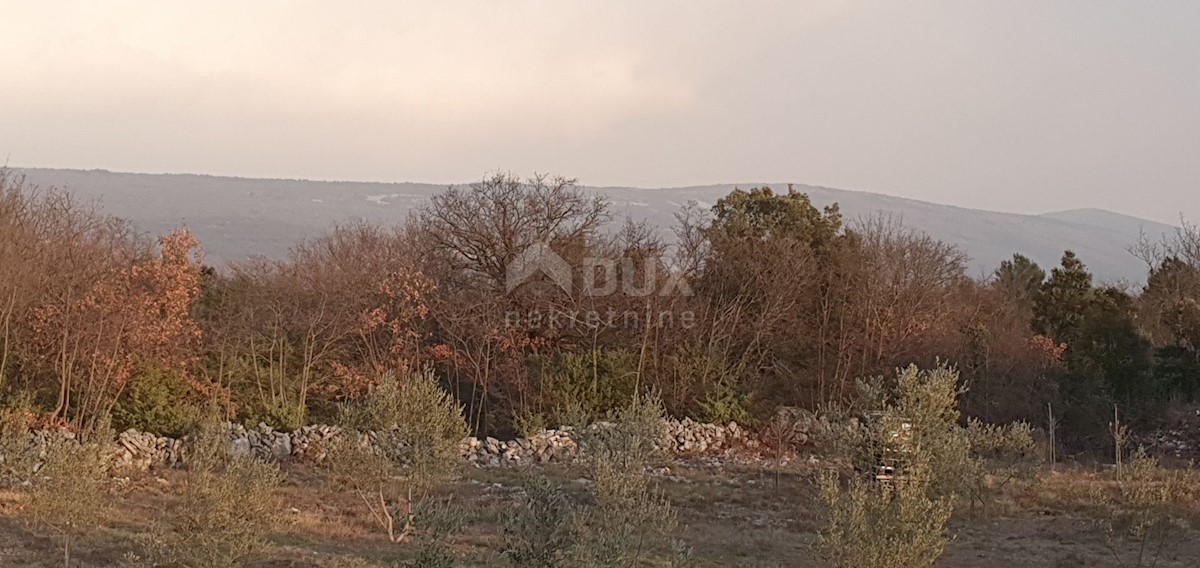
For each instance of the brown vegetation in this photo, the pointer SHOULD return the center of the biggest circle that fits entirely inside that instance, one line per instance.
(422, 332)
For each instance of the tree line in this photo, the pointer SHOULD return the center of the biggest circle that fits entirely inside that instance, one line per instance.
(762, 301)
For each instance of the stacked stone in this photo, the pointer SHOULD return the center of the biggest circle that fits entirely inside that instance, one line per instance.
(1170, 443)
(264, 442)
(690, 438)
(547, 446)
(142, 450)
(1177, 437)
(310, 441)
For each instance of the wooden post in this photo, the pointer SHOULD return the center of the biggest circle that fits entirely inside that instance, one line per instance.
(1052, 424)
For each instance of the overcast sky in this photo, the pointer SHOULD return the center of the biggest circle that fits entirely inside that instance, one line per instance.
(1016, 106)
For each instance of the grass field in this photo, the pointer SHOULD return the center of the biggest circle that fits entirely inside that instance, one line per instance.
(730, 515)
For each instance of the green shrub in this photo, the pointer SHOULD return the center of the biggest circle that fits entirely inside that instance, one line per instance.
(574, 415)
(18, 456)
(157, 401)
(704, 384)
(972, 462)
(630, 516)
(373, 477)
(265, 392)
(1000, 454)
(915, 422)
(909, 431)
(207, 445)
(68, 492)
(876, 525)
(416, 429)
(539, 532)
(631, 437)
(724, 403)
(419, 426)
(528, 425)
(222, 516)
(585, 386)
(227, 503)
(281, 415)
(438, 520)
(629, 520)
(928, 401)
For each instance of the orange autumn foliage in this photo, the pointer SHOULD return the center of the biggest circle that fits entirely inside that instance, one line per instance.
(130, 315)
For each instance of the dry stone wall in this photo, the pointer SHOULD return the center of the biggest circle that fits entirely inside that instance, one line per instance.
(137, 450)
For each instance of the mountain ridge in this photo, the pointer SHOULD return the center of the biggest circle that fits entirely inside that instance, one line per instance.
(237, 217)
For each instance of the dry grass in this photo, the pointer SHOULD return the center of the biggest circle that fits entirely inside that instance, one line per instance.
(732, 516)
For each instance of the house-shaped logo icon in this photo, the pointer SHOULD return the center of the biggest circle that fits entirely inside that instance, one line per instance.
(538, 258)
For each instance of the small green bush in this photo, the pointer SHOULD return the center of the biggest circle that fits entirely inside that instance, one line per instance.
(631, 516)
(928, 402)
(373, 477)
(910, 426)
(915, 421)
(265, 392)
(726, 403)
(418, 425)
(223, 515)
(999, 455)
(227, 503)
(585, 386)
(18, 456)
(632, 436)
(282, 415)
(875, 525)
(69, 490)
(539, 532)
(438, 520)
(706, 385)
(207, 445)
(530, 424)
(416, 429)
(629, 520)
(157, 401)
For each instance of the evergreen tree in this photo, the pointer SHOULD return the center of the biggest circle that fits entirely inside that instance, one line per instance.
(760, 214)
(1020, 279)
(1061, 302)
(1111, 349)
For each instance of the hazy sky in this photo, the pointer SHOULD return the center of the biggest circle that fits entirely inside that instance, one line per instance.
(1017, 106)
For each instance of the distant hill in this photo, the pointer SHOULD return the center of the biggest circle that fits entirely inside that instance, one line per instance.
(239, 217)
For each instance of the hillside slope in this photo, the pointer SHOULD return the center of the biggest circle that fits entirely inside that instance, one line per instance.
(239, 217)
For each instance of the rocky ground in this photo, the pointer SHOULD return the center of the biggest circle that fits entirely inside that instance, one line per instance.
(739, 504)
(1176, 435)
